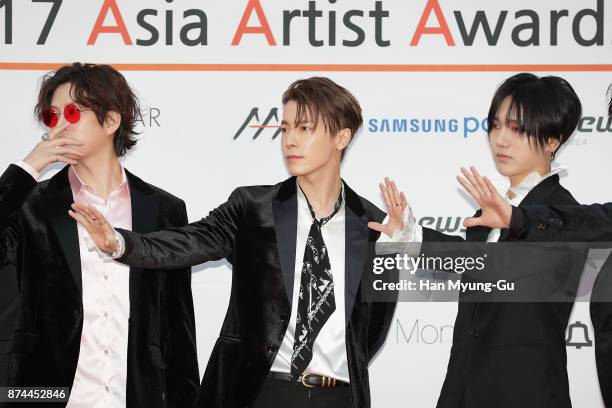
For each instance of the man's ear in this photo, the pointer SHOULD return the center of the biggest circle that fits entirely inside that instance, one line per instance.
(112, 122)
(343, 138)
(552, 145)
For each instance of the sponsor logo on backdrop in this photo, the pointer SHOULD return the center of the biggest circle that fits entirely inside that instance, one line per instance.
(469, 125)
(149, 117)
(259, 120)
(578, 335)
(254, 127)
(419, 331)
(328, 23)
(465, 126)
(443, 224)
(595, 124)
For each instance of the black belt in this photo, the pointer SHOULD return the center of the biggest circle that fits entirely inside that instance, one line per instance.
(310, 380)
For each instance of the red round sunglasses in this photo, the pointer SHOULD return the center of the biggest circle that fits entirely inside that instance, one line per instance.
(72, 114)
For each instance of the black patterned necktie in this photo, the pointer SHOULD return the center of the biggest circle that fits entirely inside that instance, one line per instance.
(316, 300)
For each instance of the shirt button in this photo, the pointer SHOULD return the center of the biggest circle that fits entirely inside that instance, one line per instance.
(107, 388)
(105, 314)
(105, 277)
(105, 351)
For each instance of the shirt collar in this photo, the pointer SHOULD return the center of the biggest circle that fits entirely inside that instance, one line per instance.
(77, 185)
(521, 190)
(304, 203)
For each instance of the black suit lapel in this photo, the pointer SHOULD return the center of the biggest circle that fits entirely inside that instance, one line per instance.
(59, 198)
(145, 209)
(356, 247)
(284, 210)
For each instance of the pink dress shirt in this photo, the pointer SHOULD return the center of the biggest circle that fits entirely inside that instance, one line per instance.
(100, 379)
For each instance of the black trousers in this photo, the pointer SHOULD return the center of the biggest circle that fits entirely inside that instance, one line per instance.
(282, 394)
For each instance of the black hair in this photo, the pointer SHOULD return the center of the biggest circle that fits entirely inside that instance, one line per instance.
(544, 108)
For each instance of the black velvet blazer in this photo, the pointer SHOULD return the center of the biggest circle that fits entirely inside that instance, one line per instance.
(40, 240)
(256, 231)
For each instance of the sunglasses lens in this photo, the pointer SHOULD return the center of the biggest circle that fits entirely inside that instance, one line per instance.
(72, 113)
(49, 117)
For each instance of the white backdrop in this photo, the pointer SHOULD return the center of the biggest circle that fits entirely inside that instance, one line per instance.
(194, 108)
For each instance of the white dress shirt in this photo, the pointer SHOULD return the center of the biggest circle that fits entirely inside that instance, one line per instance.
(329, 349)
(101, 374)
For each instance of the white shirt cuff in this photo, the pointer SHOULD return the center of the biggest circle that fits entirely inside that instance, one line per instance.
(120, 246)
(29, 169)
(91, 246)
(406, 241)
(411, 232)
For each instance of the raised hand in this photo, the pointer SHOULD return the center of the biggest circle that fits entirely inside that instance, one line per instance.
(396, 203)
(96, 225)
(496, 212)
(56, 149)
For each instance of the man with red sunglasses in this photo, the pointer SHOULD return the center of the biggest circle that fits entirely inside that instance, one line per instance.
(116, 336)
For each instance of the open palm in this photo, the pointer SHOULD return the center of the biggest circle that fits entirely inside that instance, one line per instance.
(396, 204)
(100, 231)
(496, 212)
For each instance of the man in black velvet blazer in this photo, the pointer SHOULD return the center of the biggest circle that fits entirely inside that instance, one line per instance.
(270, 234)
(61, 338)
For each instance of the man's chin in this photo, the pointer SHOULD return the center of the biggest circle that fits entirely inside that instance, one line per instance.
(298, 171)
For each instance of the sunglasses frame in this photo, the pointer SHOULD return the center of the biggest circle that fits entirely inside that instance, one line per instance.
(58, 114)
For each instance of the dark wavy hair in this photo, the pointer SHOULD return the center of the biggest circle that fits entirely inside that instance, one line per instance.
(100, 88)
(546, 107)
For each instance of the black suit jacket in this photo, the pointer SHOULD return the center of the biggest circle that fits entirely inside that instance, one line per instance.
(511, 354)
(584, 223)
(256, 231)
(8, 315)
(38, 237)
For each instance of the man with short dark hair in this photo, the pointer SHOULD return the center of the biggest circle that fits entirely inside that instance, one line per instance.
(497, 358)
(560, 223)
(116, 336)
(300, 329)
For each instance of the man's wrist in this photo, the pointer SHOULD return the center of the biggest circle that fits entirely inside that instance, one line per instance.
(120, 249)
(28, 168)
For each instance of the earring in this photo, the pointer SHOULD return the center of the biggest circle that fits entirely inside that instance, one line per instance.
(552, 156)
